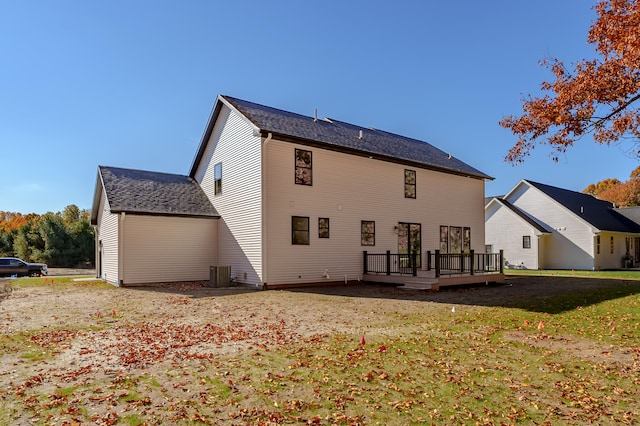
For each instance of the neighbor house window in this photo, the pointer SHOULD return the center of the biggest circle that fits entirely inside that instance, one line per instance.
(303, 167)
(368, 233)
(526, 241)
(323, 227)
(597, 244)
(611, 244)
(217, 178)
(409, 184)
(300, 230)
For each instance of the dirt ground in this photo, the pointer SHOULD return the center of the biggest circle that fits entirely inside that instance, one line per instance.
(119, 322)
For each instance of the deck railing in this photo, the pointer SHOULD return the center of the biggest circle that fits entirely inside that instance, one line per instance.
(391, 263)
(470, 263)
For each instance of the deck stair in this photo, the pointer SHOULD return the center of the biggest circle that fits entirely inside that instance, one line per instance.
(419, 284)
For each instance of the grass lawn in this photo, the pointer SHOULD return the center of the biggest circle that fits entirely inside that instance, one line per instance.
(360, 357)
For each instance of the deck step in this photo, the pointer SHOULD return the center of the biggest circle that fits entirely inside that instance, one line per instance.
(419, 285)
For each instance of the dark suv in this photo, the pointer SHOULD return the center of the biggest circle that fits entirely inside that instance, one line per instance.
(10, 266)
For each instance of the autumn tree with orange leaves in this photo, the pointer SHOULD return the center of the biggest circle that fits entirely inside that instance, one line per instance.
(622, 194)
(595, 97)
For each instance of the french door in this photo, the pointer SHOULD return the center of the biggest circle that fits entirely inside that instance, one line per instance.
(409, 243)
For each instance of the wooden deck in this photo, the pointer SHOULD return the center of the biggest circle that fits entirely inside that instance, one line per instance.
(426, 280)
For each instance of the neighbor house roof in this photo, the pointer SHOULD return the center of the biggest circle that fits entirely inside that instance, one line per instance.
(598, 213)
(152, 193)
(339, 136)
(522, 215)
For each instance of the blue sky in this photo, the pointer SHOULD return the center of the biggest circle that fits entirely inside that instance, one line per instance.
(131, 83)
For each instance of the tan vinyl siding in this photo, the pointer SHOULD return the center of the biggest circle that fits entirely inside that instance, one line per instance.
(167, 249)
(232, 143)
(108, 233)
(348, 189)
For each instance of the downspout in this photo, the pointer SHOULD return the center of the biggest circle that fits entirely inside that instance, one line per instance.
(265, 210)
(121, 250)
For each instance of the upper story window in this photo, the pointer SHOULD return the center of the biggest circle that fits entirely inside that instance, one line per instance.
(303, 167)
(409, 183)
(217, 178)
(526, 241)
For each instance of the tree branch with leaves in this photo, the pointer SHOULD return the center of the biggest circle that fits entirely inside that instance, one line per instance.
(597, 97)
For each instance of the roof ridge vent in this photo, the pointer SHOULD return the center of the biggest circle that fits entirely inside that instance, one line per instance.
(327, 120)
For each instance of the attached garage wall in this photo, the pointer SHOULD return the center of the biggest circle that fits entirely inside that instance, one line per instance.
(167, 249)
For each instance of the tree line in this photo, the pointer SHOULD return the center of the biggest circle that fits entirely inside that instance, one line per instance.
(621, 194)
(63, 239)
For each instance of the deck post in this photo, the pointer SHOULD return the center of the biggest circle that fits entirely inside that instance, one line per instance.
(428, 260)
(365, 263)
(414, 266)
(501, 261)
(472, 262)
(388, 262)
(437, 263)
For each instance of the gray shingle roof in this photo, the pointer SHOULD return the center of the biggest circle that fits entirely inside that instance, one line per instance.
(598, 213)
(143, 192)
(345, 137)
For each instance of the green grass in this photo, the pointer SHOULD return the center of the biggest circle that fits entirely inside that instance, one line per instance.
(614, 274)
(60, 283)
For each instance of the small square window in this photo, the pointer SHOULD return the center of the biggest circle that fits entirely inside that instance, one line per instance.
(323, 227)
(368, 233)
(409, 184)
(526, 241)
(300, 230)
(303, 167)
(217, 179)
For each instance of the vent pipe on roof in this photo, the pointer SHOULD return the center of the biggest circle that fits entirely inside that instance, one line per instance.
(315, 115)
(360, 135)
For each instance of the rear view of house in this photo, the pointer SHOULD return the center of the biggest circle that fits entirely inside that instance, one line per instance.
(544, 227)
(288, 199)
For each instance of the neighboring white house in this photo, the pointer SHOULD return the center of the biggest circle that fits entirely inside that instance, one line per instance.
(299, 199)
(544, 227)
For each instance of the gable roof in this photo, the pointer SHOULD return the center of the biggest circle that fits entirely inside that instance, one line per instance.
(599, 213)
(151, 193)
(339, 136)
(522, 215)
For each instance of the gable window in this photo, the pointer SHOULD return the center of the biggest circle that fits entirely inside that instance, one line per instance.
(217, 179)
(409, 183)
(368, 233)
(611, 244)
(323, 227)
(299, 230)
(526, 241)
(303, 167)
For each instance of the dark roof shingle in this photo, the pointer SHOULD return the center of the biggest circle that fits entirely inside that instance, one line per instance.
(338, 135)
(598, 213)
(144, 192)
